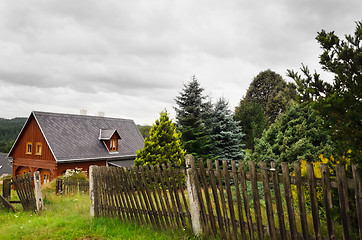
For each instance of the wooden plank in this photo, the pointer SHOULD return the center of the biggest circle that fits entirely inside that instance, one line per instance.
(327, 199)
(118, 191)
(301, 201)
(182, 190)
(244, 190)
(343, 200)
(174, 208)
(160, 198)
(170, 211)
(278, 201)
(222, 199)
(136, 192)
(133, 198)
(256, 200)
(158, 212)
(216, 199)
(151, 203)
(207, 197)
(289, 200)
(128, 196)
(268, 200)
(230, 200)
(313, 200)
(238, 200)
(95, 190)
(177, 197)
(6, 204)
(358, 196)
(206, 229)
(110, 193)
(122, 195)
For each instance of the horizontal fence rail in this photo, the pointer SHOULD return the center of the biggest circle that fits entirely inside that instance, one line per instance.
(233, 202)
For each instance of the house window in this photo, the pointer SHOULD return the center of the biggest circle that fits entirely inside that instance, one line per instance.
(29, 148)
(46, 178)
(38, 148)
(112, 146)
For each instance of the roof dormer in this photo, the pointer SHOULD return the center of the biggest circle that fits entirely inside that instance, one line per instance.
(110, 139)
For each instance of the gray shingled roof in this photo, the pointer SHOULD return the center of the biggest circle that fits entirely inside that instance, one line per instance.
(5, 166)
(76, 137)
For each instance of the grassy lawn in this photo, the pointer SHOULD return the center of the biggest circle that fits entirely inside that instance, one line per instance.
(67, 217)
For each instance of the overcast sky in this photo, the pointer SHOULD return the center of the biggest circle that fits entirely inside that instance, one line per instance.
(130, 59)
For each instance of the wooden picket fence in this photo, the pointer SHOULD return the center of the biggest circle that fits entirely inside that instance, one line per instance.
(145, 195)
(230, 202)
(25, 190)
(71, 186)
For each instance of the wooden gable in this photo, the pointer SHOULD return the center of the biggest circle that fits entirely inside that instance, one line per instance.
(31, 134)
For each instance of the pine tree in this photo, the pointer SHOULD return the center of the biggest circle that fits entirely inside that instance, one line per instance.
(339, 103)
(190, 119)
(225, 134)
(163, 145)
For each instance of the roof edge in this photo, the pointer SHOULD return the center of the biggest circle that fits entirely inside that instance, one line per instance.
(97, 158)
(42, 132)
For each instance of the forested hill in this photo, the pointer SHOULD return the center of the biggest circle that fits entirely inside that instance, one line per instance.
(9, 130)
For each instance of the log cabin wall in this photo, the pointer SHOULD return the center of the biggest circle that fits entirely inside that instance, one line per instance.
(62, 167)
(32, 134)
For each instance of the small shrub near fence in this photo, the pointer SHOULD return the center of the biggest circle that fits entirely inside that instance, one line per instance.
(233, 203)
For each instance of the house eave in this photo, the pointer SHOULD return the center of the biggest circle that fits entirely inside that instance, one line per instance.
(97, 159)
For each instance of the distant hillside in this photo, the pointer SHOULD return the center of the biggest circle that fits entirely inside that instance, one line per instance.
(9, 130)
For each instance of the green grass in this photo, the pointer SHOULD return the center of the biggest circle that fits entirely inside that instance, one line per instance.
(67, 217)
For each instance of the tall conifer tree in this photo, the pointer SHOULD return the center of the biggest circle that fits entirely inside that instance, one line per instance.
(190, 122)
(226, 135)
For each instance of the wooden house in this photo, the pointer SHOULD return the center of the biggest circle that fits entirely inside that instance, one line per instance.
(52, 143)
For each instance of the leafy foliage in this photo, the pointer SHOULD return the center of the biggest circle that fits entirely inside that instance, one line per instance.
(339, 103)
(190, 119)
(225, 134)
(266, 98)
(144, 130)
(296, 135)
(163, 144)
(252, 121)
(9, 130)
(270, 91)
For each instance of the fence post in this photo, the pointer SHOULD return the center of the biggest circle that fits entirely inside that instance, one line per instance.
(192, 192)
(38, 193)
(91, 189)
(6, 188)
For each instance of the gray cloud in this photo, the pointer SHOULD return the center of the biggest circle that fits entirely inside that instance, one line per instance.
(130, 58)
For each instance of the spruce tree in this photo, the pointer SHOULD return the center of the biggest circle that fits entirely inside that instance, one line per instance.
(163, 145)
(190, 119)
(225, 134)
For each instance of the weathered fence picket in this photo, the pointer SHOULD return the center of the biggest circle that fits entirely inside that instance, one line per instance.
(71, 186)
(231, 203)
